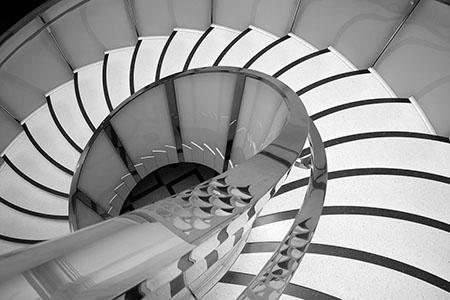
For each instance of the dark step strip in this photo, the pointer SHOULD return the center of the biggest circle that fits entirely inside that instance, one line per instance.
(345, 106)
(330, 79)
(45, 154)
(292, 289)
(230, 45)
(379, 134)
(163, 54)
(196, 46)
(299, 61)
(263, 51)
(357, 210)
(60, 128)
(133, 66)
(364, 172)
(358, 255)
(105, 82)
(19, 240)
(80, 103)
(32, 212)
(32, 181)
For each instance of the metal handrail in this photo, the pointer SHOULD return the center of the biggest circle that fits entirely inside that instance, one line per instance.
(280, 268)
(295, 16)
(397, 30)
(290, 97)
(100, 260)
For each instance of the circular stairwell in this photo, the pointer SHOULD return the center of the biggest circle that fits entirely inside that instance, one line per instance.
(384, 229)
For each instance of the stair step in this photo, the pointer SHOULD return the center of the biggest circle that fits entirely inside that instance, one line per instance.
(354, 279)
(24, 156)
(178, 51)
(20, 192)
(91, 94)
(23, 226)
(148, 52)
(246, 47)
(67, 112)
(118, 74)
(390, 238)
(282, 55)
(395, 193)
(47, 135)
(211, 47)
(314, 69)
(342, 91)
(391, 152)
(371, 118)
(224, 291)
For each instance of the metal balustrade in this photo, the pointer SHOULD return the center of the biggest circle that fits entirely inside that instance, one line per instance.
(208, 223)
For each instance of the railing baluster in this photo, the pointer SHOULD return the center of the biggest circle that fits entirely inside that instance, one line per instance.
(212, 12)
(57, 45)
(397, 30)
(131, 10)
(295, 16)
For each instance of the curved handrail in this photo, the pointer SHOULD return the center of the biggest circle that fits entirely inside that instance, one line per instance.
(285, 148)
(276, 274)
(142, 248)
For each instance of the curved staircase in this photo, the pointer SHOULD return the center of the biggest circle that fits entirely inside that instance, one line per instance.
(385, 228)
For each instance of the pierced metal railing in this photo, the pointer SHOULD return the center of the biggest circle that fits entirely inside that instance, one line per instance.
(149, 249)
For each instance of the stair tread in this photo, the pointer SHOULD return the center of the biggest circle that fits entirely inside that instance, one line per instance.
(211, 47)
(18, 191)
(391, 152)
(90, 85)
(281, 55)
(29, 161)
(147, 58)
(118, 75)
(352, 279)
(247, 46)
(68, 113)
(314, 69)
(50, 139)
(342, 91)
(371, 118)
(398, 193)
(178, 51)
(23, 226)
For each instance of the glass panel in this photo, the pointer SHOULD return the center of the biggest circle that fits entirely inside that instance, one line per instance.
(9, 130)
(275, 16)
(357, 29)
(272, 16)
(101, 171)
(18, 97)
(85, 33)
(13, 41)
(238, 14)
(257, 118)
(161, 16)
(193, 14)
(204, 106)
(154, 17)
(418, 62)
(33, 70)
(144, 124)
(39, 64)
(278, 123)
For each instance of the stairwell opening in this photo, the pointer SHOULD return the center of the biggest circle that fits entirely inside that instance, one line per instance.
(165, 182)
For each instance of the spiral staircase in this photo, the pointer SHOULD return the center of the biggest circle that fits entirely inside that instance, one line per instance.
(384, 228)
